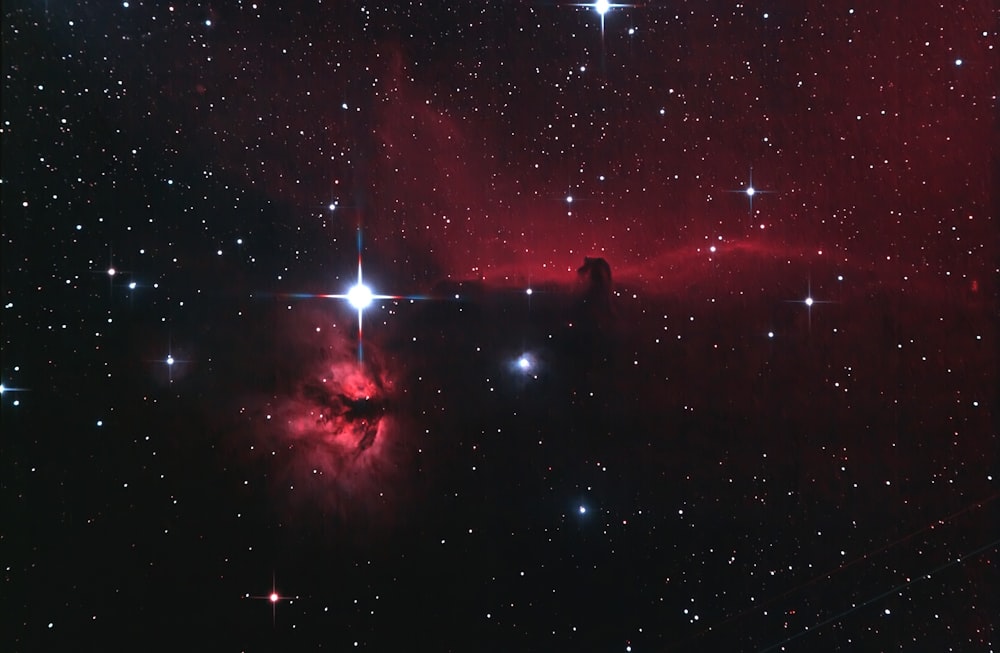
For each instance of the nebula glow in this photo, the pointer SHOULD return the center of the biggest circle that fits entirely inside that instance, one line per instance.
(330, 429)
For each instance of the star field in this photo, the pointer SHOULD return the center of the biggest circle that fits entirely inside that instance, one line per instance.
(674, 328)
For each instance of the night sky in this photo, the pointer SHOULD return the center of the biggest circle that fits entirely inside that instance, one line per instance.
(682, 335)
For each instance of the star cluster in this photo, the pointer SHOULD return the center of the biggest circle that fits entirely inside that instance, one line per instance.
(674, 326)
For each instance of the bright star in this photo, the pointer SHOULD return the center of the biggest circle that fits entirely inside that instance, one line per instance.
(583, 510)
(525, 365)
(112, 272)
(5, 388)
(360, 296)
(750, 191)
(809, 302)
(172, 363)
(273, 597)
(602, 7)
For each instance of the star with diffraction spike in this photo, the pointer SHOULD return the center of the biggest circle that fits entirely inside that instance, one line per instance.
(751, 191)
(273, 597)
(809, 301)
(4, 389)
(602, 7)
(360, 296)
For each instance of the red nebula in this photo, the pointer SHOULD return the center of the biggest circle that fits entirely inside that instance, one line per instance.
(329, 433)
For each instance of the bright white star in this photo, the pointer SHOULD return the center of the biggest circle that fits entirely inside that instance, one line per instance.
(525, 365)
(273, 597)
(601, 8)
(6, 388)
(751, 191)
(360, 296)
(809, 302)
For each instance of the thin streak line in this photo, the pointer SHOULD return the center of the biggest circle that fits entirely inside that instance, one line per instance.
(894, 590)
